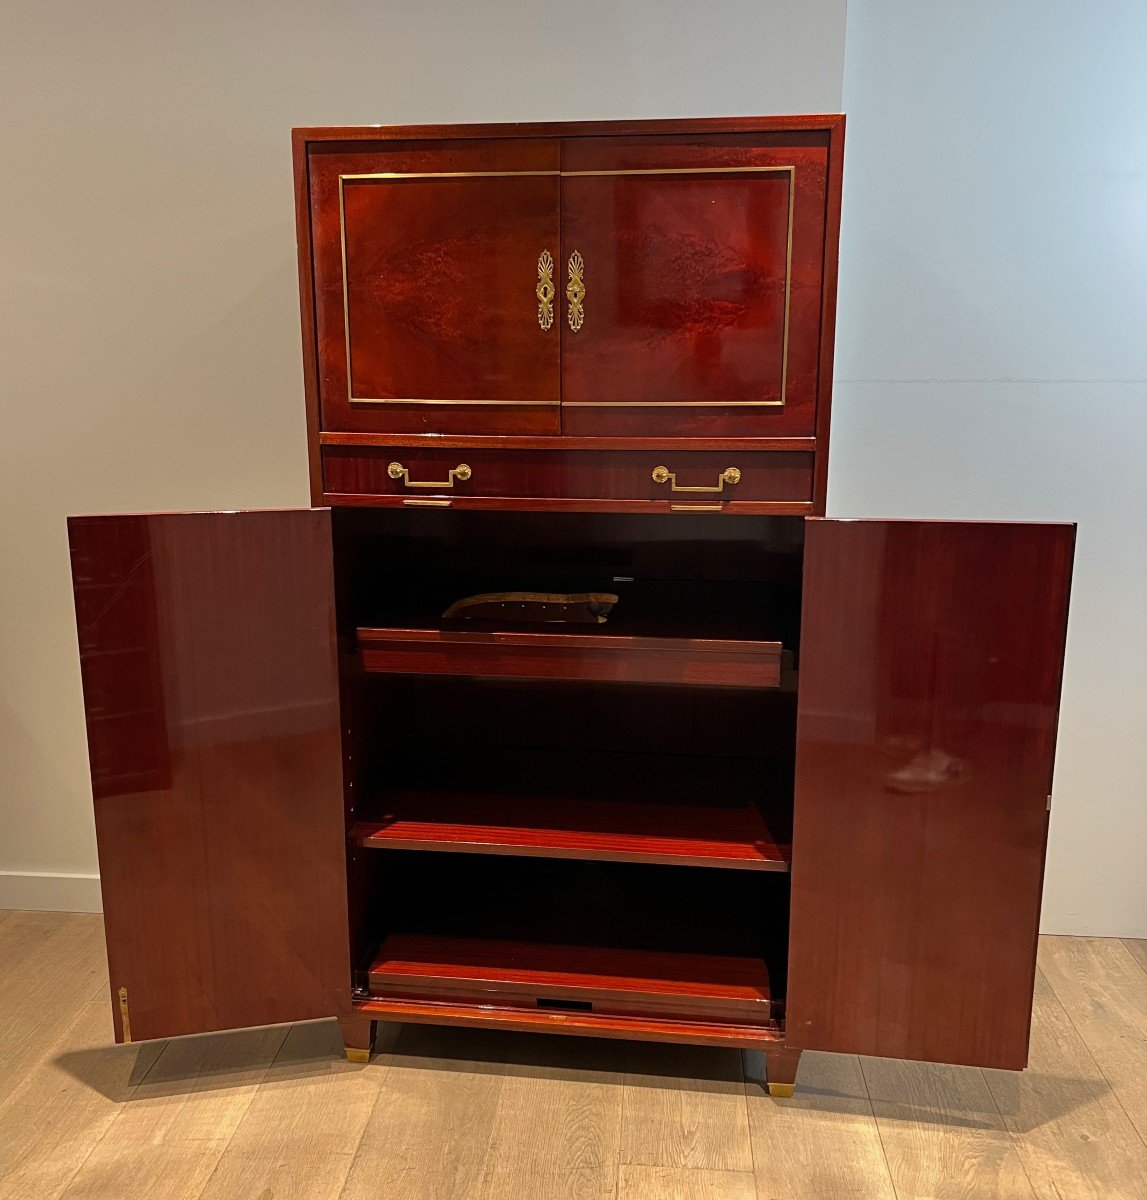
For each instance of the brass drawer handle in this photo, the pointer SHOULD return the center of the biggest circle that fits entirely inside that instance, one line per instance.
(398, 471)
(730, 476)
(545, 290)
(575, 292)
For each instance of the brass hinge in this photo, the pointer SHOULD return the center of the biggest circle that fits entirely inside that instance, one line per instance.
(125, 1020)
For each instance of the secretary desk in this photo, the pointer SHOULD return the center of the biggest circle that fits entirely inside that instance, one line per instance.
(784, 784)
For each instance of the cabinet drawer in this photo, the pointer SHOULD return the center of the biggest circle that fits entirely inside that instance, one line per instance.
(763, 481)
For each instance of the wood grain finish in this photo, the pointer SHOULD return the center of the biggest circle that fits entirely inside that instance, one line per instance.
(700, 316)
(610, 831)
(587, 656)
(218, 795)
(592, 475)
(670, 808)
(686, 257)
(931, 658)
(579, 1024)
(440, 275)
(552, 977)
(462, 1112)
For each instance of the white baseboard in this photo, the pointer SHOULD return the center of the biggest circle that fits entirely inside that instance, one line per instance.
(51, 891)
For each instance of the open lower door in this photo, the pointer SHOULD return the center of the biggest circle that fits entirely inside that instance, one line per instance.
(930, 667)
(207, 647)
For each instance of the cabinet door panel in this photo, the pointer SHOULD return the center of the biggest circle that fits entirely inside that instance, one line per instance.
(428, 265)
(207, 649)
(930, 666)
(702, 264)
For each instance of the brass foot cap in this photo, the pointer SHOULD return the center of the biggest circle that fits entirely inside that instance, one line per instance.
(781, 1091)
(362, 1056)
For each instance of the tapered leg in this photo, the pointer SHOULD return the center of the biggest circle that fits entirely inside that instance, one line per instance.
(781, 1069)
(358, 1036)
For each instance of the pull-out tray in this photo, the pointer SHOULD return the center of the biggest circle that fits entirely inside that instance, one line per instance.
(543, 977)
(600, 656)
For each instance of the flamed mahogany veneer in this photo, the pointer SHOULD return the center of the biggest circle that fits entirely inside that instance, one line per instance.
(794, 792)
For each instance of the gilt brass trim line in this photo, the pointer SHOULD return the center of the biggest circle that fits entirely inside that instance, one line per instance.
(447, 174)
(779, 169)
(672, 403)
(787, 169)
(490, 403)
(783, 398)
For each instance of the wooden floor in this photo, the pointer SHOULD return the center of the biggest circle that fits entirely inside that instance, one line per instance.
(278, 1113)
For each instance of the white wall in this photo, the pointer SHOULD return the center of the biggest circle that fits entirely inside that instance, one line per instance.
(150, 354)
(992, 350)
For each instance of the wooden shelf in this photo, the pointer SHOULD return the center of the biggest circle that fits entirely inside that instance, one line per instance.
(728, 1034)
(549, 977)
(596, 656)
(668, 809)
(606, 831)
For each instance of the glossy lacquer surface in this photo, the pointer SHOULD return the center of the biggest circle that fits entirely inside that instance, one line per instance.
(427, 276)
(210, 686)
(931, 658)
(703, 265)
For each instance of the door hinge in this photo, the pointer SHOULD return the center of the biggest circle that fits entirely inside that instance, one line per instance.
(125, 1020)
(1049, 802)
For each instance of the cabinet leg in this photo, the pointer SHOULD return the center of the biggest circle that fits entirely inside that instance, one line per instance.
(358, 1036)
(781, 1070)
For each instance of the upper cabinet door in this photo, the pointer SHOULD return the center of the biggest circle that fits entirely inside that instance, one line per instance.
(930, 664)
(696, 273)
(207, 648)
(434, 278)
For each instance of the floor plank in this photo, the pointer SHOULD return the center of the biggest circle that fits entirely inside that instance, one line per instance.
(21, 932)
(1102, 988)
(60, 969)
(942, 1134)
(1072, 1134)
(299, 1133)
(684, 1183)
(1138, 949)
(66, 1103)
(557, 1119)
(685, 1108)
(170, 1133)
(447, 1114)
(429, 1132)
(824, 1141)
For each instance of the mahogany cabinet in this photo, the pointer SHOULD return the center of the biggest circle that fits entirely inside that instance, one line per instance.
(791, 792)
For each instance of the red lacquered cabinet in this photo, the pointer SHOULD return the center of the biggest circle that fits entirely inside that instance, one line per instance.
(706, 767)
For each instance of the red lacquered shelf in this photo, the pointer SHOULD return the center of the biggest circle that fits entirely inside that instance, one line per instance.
(549, 977)
(669, 809)
(604, 657)
(606, 831)
(686, 1032)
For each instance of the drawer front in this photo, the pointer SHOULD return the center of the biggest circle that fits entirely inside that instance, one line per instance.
(646, 479)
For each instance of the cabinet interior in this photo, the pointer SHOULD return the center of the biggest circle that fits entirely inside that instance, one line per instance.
(504, 826)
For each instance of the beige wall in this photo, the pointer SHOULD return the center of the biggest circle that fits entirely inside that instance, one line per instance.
(150, 325)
